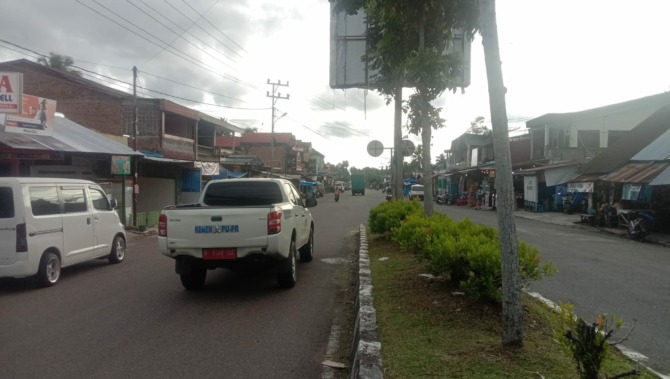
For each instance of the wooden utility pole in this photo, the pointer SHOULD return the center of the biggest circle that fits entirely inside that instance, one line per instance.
(275, 96)
(512, 307)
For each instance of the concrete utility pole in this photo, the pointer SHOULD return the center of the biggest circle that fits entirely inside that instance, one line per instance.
(275, 96)
(135, 158)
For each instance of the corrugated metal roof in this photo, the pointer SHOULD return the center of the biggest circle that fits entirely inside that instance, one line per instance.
(68, 136)
(636, 172)
(662, 179)
(623, 150)
(659, 150)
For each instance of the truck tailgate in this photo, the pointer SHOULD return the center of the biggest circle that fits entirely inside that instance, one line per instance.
(217, 227)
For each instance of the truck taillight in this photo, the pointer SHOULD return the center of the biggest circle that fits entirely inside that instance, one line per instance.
(21, 238)
(162, 225)
(274, 222)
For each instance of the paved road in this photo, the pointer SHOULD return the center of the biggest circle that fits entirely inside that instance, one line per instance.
(135, 320)
(600, 273)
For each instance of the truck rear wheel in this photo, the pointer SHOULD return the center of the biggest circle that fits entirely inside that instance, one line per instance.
(194, 279)
(307, 251)
(288, 274)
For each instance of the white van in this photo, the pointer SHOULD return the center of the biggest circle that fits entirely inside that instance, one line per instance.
(49, 223)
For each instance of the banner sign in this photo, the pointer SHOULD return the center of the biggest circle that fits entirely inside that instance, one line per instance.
(581, 187)
(120, 165)
(37, 118)
(11, 91)
(530, 188)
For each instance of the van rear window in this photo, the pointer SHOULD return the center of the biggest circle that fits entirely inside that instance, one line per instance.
(6, 202)
(243, 194)
(44, 201)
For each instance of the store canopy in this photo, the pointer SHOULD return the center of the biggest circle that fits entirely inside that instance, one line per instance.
(639, 172)
(68, 136)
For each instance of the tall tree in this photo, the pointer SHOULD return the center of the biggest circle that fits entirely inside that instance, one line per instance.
(511, 279)
(407, 41)
(478, 126)
(59, 62)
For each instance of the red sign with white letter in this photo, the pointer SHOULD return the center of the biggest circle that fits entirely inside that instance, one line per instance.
(11, 92)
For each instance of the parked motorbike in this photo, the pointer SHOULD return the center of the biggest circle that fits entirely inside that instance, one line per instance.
(389, 197)
(441, 199)
(638, 229)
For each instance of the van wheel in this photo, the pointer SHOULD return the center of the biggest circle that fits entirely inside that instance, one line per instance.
(49, 270)
(194, 279)
(287, 274)
(307, 251)
(118, 250)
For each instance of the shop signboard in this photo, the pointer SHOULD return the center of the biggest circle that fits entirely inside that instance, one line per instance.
(580, 187)
(530, 188)
(38, 117)
(120, 165)
(11, 90)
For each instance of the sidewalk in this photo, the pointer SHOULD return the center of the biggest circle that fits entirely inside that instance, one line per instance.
(573, 220)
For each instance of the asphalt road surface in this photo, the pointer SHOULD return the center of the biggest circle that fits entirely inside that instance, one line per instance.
(135, 320)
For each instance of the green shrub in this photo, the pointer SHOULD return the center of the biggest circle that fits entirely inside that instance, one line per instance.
(390, 214)
(467, 252)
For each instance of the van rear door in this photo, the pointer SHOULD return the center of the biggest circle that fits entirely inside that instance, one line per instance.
(8, 221)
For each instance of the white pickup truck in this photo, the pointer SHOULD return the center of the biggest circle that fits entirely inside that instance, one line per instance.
(239, 223)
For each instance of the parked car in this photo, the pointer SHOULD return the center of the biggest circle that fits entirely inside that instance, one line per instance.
(49, 223)
(416, 192)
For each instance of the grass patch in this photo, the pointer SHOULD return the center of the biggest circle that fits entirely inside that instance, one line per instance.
(427, 331)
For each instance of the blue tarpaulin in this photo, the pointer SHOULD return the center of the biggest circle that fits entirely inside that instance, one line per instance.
(225, 174)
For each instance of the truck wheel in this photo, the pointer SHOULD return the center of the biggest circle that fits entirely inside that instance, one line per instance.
(287, 274)
(118, 250)
(49, 270)
(307, 251)
(194, 279)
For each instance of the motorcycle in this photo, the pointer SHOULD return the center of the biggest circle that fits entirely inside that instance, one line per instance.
(640, 224)
(441, 199)
(638, 229)
(337, 196)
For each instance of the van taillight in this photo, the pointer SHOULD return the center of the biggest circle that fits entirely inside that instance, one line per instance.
(274, 222)
(162, 225)
(21, 238)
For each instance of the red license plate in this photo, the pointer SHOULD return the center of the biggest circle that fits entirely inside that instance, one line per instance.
(219, 253)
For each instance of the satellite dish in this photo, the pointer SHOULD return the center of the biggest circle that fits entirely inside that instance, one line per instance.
(375, 148)
(407, 147)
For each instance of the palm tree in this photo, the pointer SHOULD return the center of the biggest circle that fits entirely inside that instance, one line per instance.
(59, 62)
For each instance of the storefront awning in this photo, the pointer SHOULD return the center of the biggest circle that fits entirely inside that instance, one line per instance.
(559, 175)
(68, 136)
(639, 172)
(663, 179)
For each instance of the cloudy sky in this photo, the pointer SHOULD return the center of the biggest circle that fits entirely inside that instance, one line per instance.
(219, 55)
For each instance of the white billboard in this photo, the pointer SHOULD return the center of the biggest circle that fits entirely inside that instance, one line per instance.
(348, 46)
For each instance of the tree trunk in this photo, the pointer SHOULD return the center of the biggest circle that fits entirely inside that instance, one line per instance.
(511, 279)
(427, 169)
(397, 145)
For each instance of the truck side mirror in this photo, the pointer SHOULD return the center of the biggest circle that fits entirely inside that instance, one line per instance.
(310, 202)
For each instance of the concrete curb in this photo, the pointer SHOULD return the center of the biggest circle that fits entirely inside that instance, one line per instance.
(366, 350)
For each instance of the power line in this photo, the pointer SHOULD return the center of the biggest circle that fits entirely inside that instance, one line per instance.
(196, 63)
(198, 26)
(214, 26)
(178, 35)
(115, 81)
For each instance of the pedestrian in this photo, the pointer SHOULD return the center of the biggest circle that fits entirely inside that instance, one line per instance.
(480, 198)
